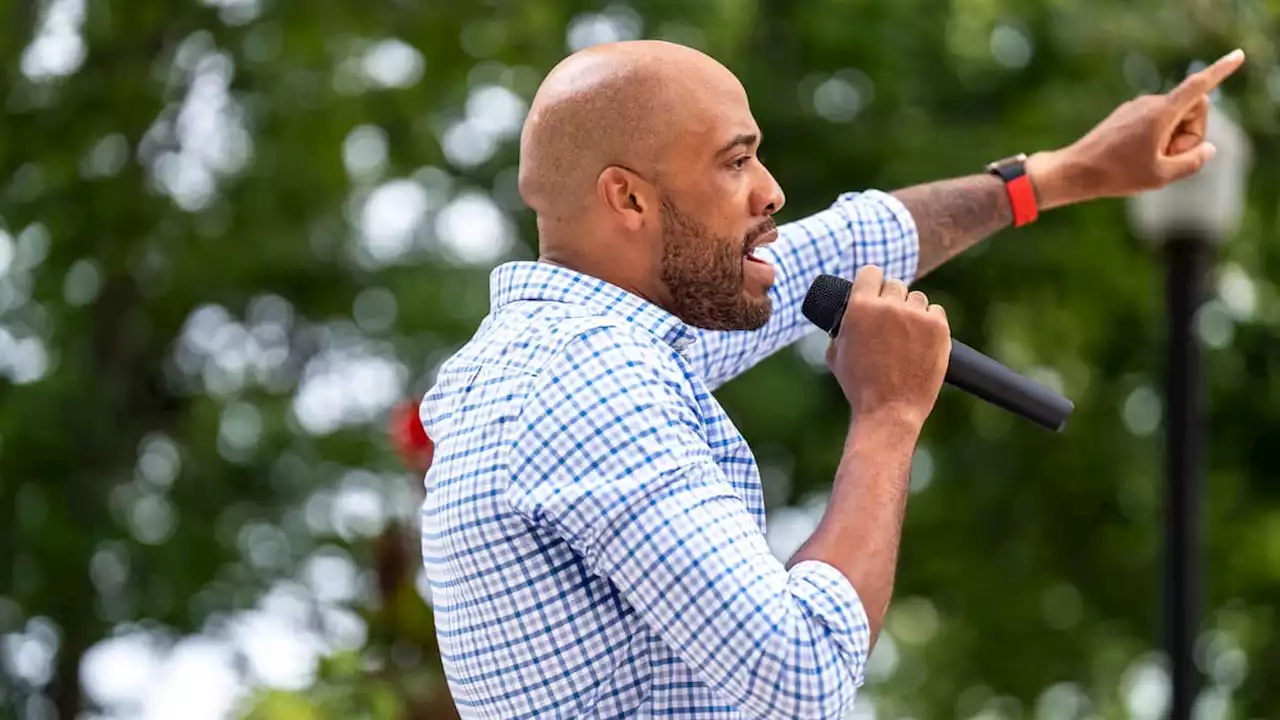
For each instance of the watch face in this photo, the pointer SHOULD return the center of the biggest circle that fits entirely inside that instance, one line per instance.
(1008, 166)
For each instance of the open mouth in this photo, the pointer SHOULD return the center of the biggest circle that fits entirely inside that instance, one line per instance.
(750, 252)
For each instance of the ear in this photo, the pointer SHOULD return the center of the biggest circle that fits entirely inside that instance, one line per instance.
(627, 196)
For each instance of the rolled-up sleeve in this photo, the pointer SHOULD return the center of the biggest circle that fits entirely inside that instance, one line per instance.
(610, 456)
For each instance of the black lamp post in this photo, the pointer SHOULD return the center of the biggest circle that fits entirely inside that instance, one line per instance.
(1186, 221)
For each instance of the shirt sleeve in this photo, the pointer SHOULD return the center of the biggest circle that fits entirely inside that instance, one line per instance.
(610, 456)
(868, 228)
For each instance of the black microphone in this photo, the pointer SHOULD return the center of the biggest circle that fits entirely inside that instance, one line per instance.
(968, 369)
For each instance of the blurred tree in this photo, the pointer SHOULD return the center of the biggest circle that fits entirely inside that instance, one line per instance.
(233, 234)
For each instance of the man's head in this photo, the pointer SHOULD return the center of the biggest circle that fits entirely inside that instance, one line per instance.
(639, 159)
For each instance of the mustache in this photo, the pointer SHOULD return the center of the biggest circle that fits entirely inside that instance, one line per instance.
(765, 227)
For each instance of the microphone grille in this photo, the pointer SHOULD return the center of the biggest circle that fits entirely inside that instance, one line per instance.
(825, 302)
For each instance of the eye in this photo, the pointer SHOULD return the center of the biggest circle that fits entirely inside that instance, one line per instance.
(741, 162)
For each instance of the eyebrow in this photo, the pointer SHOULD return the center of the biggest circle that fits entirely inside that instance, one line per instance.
(747, 139)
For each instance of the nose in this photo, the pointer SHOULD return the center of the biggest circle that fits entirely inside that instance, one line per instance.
(769, 197)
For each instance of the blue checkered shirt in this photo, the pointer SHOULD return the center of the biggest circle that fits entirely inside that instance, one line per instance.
(594, 525)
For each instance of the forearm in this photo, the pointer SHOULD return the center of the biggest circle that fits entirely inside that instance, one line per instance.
(953, 215)
(860, 531)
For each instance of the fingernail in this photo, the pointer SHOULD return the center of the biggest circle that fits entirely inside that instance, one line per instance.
(1234, 55)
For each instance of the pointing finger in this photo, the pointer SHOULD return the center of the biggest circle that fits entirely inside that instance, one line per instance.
(1203, 82)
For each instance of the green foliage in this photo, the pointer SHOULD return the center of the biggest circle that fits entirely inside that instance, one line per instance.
(232, 234)
(343, 690)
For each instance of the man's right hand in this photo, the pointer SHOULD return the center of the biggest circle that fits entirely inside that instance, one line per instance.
(892, 351)
(890, 357)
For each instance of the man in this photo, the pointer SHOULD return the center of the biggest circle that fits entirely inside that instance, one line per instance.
(593, 528)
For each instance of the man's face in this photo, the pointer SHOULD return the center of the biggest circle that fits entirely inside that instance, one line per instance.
(716, 211)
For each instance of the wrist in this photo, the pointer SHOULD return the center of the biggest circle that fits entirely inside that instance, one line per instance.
(1057, 179)
(885, 428)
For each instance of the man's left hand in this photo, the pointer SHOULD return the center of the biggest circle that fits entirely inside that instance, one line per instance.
(1144, 144)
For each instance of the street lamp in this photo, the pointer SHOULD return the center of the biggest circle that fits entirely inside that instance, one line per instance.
(1186, 220)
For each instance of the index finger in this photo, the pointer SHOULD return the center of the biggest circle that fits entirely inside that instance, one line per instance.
(1203, 82)
(868, 281)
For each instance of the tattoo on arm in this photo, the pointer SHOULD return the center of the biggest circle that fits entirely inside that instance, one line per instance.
(954, 215)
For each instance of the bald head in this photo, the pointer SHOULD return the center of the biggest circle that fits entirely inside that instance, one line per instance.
(639, 160)
(624, 105)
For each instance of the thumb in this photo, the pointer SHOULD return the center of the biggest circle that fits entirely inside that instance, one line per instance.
(1177, 167)
(1183, 143)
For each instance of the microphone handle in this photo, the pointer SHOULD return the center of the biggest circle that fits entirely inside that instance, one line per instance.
(975, 373)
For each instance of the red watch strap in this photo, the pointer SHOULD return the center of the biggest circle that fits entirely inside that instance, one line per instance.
(1022, 198)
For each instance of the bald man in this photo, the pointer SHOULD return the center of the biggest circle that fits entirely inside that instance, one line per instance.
(593, 529)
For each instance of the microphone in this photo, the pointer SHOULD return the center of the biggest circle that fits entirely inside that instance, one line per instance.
(968, 369)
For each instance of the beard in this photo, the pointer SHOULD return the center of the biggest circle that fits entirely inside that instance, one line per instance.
(703, 273)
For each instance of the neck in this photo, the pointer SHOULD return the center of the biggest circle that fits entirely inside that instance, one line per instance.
(613, 270)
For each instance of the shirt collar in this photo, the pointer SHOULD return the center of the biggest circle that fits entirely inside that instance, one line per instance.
(528, 280)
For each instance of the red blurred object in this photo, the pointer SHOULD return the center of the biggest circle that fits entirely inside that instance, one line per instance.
(410, 438)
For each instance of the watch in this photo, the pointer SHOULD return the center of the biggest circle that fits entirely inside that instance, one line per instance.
(1022, 196)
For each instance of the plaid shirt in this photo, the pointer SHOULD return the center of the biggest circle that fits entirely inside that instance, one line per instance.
(593, 529)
